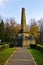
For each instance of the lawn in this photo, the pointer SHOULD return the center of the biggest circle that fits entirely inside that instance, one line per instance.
(38, 56)
(5, 54)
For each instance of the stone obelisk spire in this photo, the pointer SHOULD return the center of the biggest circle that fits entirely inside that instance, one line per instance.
(23, 20)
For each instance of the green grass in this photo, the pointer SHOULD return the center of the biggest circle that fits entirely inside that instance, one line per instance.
(5, 54)
(38, 56)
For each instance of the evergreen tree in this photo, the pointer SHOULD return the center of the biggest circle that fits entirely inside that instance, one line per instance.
(2, 30)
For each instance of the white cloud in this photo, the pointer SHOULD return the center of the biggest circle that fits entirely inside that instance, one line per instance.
(2, 3)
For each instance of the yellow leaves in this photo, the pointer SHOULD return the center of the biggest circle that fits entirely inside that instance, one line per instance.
(34, 29)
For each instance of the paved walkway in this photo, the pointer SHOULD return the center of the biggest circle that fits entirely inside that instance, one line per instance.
(21, 57)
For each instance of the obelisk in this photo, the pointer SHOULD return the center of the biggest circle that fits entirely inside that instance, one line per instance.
(23, 20)
(23, 26)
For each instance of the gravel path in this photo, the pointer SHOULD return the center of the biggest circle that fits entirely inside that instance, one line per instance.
(21, 57)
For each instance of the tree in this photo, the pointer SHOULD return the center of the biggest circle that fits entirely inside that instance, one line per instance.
(7, 34)
(11, 29)
(2, 30)
(41, 29)
(34, 29)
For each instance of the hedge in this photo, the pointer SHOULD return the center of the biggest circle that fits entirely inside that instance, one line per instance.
(11, 45)
(4, 46)
(39, 48)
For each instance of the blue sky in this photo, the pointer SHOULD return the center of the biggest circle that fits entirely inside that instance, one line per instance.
(12, 8)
